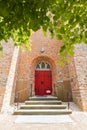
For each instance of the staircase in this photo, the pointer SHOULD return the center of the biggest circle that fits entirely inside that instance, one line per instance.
(45, 105)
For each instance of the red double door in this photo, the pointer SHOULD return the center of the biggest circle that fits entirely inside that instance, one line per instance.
(43, 82)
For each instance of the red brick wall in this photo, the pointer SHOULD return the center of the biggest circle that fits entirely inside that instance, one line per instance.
(29, 60)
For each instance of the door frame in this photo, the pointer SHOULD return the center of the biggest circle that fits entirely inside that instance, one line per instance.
(43, 66)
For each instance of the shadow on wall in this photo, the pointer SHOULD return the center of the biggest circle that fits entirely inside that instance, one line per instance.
(64, 92)
(22, 91)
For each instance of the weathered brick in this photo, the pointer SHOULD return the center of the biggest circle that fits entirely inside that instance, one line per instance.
(5, 62)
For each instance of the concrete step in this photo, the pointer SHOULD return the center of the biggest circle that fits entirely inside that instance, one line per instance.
(43, 107)
(43, 102)
(43, 112)
(43, 98)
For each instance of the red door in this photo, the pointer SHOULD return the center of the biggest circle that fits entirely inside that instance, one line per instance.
(43, 82)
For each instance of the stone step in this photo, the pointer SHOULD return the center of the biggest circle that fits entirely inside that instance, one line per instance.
(43, 112)
(43, 98)
(42, 106)
(43, 102)
(46, 105)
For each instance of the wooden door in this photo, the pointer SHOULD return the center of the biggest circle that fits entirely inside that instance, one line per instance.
(43, 82)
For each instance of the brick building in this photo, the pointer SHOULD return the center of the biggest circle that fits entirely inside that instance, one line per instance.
(38, 72)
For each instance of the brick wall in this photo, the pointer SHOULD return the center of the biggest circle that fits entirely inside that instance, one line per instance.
(5, 62)
(78, 76)
(9, 95)
(29, 60)
(73, 75)
(81, 69)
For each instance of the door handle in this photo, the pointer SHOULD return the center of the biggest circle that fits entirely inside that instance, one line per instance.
(42, 82)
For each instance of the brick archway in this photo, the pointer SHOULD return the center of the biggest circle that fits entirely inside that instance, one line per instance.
(53, 69)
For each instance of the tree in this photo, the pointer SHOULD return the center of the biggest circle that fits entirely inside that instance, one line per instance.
(66, 19)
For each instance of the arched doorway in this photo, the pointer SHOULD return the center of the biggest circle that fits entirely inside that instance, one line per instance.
(43, 79)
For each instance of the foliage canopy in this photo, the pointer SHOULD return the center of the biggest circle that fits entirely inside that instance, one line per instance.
(67, 19)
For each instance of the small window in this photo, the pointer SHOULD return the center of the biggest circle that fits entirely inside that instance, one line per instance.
(48, 66)
(38, 67)
(43, 66)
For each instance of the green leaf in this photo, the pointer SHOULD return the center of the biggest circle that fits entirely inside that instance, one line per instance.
(1, 48)
(64, 19)
(59, 36)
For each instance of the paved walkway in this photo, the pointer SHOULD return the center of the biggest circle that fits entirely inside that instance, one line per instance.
(79, 122)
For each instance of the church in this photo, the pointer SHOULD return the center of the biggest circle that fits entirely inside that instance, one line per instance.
(24, 74)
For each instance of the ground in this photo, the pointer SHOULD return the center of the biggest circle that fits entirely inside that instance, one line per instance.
(79, 122)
